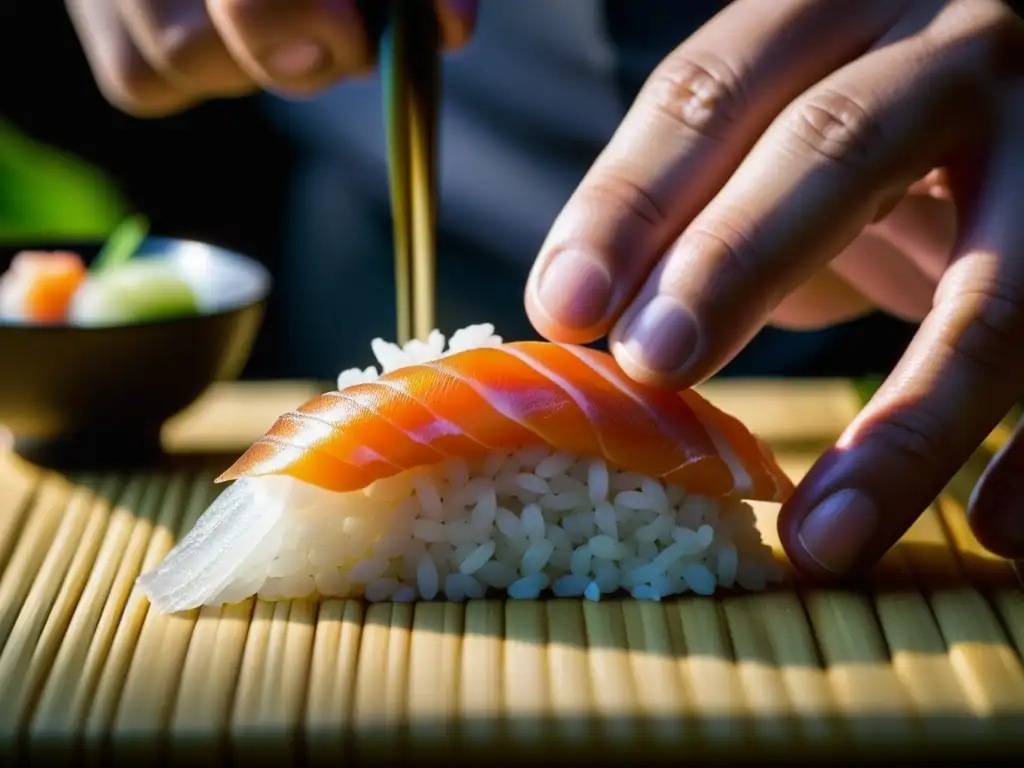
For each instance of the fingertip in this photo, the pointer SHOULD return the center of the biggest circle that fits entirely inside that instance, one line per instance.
(995, 509)
(551, 329)
(295, 48)
(457, 20)
(996, 513)
(657, 341)
(123, 75)
(831, 528)
(838, 531)
(143, 98)
(569, 295)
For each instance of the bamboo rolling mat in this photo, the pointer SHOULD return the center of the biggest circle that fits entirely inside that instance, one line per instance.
(926, 657)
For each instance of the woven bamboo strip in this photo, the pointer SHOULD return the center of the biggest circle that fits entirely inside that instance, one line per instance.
(926, 653)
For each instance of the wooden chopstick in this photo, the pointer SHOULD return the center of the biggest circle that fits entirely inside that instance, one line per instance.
(411, 76)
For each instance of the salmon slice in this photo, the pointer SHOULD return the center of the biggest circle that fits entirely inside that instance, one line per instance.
(39, 285)
(520, 394)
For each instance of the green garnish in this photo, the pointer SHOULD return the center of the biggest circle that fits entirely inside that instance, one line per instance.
(122, 244)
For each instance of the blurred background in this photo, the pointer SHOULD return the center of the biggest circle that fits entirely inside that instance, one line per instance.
(300, 185)
(71, 165)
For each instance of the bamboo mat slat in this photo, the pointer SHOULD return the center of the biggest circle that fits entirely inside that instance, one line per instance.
(926, 656)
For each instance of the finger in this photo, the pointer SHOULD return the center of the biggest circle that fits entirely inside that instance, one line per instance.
(825, 299)
(923, 227)
(124, 76)
(869, 274)
(456, 19)
(958, 378)
(178, 38)
(886, 277)
(293, 46)
(693, 122)
(996, 508)
(818, 176)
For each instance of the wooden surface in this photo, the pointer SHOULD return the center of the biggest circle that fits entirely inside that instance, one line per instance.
(926, 657)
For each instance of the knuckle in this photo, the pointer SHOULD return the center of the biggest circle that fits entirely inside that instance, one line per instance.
(835, 127)
(615, 187)
(733, 247)
(164, 34)
(132, 85)
(986, 329)
(702, 94)
(984, 21)
(998, 23)
(985, 36)
(123, 75)
(178, 48)
(740, 264)
(914, 437)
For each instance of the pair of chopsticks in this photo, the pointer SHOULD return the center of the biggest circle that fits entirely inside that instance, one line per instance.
(411, 77)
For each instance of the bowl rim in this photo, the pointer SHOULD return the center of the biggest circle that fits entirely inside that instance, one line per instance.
(263, 282)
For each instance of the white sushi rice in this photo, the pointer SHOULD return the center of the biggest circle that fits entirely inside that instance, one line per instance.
(524, 523)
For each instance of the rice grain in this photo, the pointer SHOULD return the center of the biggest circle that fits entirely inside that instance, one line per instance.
(478, 558)
(520, 519)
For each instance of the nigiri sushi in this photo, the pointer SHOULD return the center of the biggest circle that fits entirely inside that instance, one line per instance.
(39, 285)
(521, 469)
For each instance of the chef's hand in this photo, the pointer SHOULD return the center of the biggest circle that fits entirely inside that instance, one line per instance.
(157, 57)
(799, 163)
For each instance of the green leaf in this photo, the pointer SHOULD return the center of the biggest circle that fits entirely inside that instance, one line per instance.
(48, 195)
(122, 244)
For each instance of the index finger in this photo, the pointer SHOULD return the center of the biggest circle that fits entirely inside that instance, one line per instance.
(824, 170)
(125, 77)
(697, 116)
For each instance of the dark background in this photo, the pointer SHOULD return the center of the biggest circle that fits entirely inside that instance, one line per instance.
(218, 173)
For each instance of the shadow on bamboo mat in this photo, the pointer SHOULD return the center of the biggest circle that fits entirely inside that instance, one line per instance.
(922, 659)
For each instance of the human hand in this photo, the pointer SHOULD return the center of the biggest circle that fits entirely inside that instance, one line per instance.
(157, 57)
(799, 163)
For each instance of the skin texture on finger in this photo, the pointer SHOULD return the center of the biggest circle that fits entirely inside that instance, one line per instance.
(924, 228)
(873, 272)
(960, 375)
(124, 76)
(885, 276)
(697, 116)
(817, 177)
(996, 508)
(294, 46)
(179, 40)
(825, 299)
(869, 274)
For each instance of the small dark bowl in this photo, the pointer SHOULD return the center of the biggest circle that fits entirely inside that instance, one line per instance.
(98, 397)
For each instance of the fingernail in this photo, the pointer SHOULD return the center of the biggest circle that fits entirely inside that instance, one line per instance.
(994, 514)
(575, 289)
(837, 531)
(662, 337)
(296, 59)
